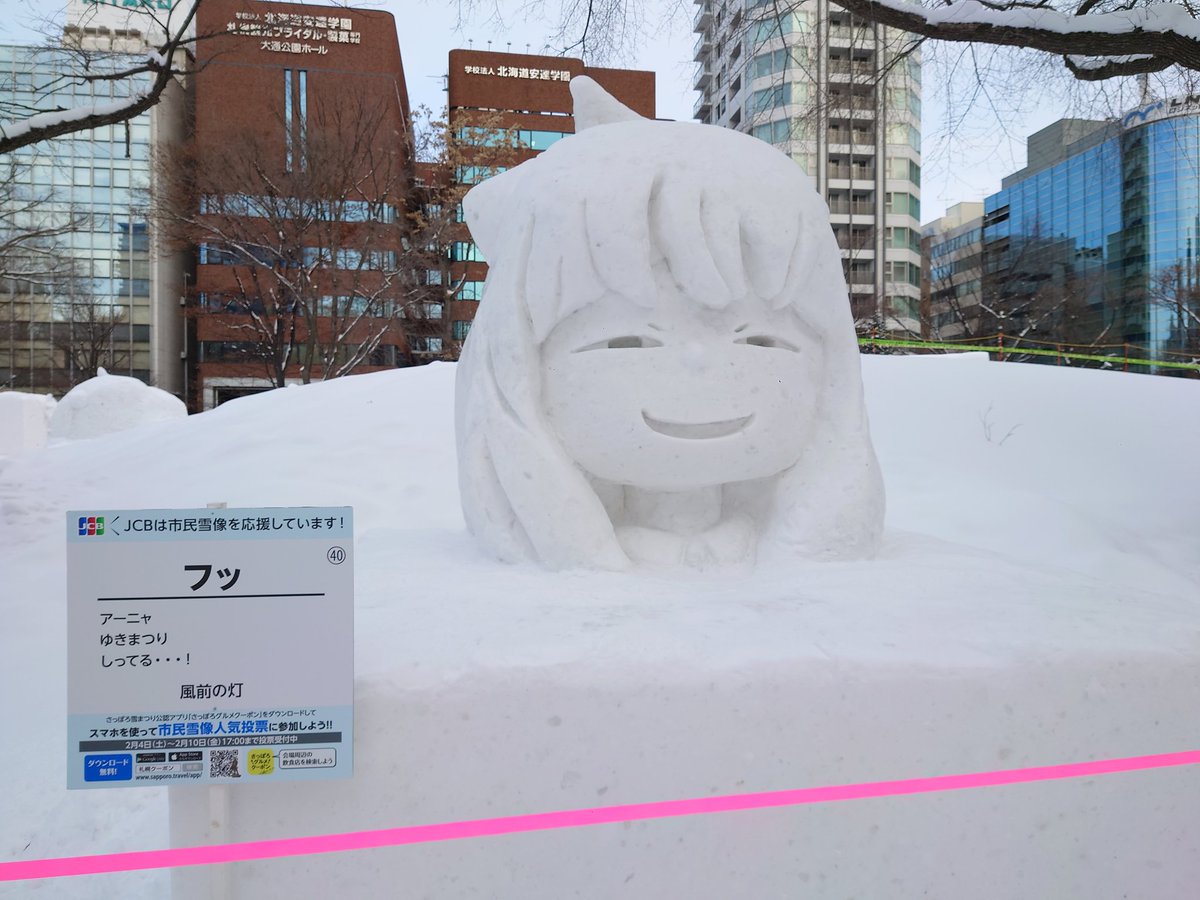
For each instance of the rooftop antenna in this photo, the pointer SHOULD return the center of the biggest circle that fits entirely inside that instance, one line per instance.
(510, 46)
(1144, 86)
(526, 48)
(471, 43)
(489, 46)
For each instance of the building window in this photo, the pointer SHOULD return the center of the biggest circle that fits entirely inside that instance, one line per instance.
(461, 329)
(525, 138)
(425, 344)
(287, 117)
(466, 251)
(769, 98)
(476, 174)
(904, 205)
(303, 119)
(775, 27)
(768, 63)
(899, 133)
(471, 290)
(777, 132)
(295, 116)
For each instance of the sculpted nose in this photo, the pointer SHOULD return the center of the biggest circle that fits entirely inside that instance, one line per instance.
(694, 356)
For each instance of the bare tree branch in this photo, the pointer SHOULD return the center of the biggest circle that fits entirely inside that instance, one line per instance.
(164, 64)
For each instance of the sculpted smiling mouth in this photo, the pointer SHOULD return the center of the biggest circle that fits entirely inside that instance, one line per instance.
(697, 430)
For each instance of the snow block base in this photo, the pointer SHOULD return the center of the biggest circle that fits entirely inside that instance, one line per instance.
(527, 692)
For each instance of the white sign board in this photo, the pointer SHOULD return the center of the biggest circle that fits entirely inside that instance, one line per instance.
(209, 645)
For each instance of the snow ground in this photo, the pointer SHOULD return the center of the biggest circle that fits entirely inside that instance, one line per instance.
(1035, 602)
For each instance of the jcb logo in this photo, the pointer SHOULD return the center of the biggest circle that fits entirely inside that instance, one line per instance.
(91, 526)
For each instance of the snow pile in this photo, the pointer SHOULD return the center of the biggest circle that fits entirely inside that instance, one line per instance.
(24, 421)
(111, 403)
(1034, 602)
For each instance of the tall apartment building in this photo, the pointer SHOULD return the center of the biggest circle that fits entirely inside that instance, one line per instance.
(840, 97)
(523, 96)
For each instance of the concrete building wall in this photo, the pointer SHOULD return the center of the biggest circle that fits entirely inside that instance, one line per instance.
(952, 287)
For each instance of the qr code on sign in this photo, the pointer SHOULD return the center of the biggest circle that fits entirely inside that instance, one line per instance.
(223, 764)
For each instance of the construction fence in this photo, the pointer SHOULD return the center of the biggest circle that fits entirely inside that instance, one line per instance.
(1007, 348)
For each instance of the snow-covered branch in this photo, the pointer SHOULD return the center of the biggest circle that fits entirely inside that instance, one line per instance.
(161, 65)
(1094, 44)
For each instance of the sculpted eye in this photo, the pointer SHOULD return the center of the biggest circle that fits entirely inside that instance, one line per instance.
(625, 342)
(768, 340)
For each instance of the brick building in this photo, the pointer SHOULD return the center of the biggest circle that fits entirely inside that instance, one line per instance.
(293, 190)
(528, 97)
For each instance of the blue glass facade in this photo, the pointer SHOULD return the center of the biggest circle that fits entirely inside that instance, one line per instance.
(1100, 249)
(94, 301)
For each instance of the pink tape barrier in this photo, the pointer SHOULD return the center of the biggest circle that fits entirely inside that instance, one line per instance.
(422, 834)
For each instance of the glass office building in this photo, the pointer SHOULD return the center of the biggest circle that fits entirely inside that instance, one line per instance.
(1096, 242)
(78, 294)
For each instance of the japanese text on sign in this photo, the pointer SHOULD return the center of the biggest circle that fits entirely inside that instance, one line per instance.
(201, 641)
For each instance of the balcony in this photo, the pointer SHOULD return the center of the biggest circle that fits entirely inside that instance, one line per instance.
(855, 240)
(857, 173)
(703, 46)
(702, 108)
(845, 69)
(857, 137)
(858, 35)
(847, 208)
(703, 16)
(841, 109)
(703, 76)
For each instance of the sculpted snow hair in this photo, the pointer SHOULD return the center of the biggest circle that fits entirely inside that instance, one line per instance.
(663, 366)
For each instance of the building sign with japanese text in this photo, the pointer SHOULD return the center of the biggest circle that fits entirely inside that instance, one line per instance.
(293, 33)
(209, 645)
(520, 72)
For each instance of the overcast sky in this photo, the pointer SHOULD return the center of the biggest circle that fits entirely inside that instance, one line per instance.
(966, 167)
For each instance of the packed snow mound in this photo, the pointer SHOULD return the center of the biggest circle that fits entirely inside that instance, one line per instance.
(24, 421)
(1048, 466)
(1034, 602)
(111, 403)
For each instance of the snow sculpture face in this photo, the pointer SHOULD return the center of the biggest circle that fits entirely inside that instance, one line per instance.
(663, 369)
(674, 397)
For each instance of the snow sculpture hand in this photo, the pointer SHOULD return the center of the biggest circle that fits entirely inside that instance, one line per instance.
(663, 369)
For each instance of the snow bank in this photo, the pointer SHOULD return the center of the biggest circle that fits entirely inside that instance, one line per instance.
(24, 419)
(111, 403)
(1035, 602)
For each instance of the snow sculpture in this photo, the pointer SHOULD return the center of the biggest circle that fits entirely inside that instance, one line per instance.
(24, 421)
(664, 368)
(110, 403)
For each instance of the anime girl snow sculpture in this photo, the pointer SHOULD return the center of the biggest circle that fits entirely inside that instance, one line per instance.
(663, 368)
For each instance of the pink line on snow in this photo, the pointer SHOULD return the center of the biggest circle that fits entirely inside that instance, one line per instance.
(422, 834)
